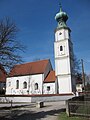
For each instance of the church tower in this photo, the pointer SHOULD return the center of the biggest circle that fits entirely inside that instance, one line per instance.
(63, 49)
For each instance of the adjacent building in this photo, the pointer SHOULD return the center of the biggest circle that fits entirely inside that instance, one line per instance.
(3, 76)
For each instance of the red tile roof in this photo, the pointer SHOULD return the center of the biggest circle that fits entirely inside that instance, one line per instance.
(3, 74)
(29, 68)
(50, 77)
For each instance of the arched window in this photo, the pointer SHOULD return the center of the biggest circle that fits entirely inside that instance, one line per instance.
(17, 84)
(61, 48)
(24, 85)
(36, 86)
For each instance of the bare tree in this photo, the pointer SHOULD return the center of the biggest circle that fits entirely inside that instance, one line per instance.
(77, 65)
(9, 46)
(77, 70)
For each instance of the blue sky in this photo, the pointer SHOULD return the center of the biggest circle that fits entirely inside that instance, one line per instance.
(35, 19)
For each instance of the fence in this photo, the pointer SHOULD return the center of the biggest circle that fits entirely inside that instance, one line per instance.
(81, 108)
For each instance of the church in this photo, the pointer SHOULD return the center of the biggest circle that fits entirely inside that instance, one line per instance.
(39, 77)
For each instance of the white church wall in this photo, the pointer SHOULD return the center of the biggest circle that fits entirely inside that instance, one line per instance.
(57, 35)
(36, 79)
(64, 83)
(61, 34)
(64, 44)
(66, 33)
(30, 80)
(63, 66)
(51, 98)
(49, 88)
(8, 86)
(37, 98)
(18, 99)
(11, 85)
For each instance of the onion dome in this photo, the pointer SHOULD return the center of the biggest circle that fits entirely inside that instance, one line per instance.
(61, 18)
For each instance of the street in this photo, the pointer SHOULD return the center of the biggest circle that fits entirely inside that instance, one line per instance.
(30, 112)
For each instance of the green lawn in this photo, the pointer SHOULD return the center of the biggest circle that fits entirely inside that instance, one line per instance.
(63, 116)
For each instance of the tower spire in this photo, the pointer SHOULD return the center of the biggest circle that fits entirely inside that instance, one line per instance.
(61, 17)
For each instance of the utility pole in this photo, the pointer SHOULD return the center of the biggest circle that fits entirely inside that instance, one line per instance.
(83, 74)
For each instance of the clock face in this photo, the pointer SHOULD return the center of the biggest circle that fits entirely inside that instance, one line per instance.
(60, 33)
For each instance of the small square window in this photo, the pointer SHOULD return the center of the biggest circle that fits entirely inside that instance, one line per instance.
(48, 88)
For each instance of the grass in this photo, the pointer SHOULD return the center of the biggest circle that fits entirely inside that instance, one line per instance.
(63, 116)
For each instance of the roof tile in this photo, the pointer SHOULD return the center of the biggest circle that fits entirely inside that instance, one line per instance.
(50, 77)
(29, 68)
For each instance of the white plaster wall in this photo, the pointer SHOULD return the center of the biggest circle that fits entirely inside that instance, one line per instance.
(62, 66)
(52, 88)
(36, 79)
(65, 84)
(36, 99)
(64, 35)
(8, 86)
(15, 99)
(52, 98)
(11, 85)
(31, 80)
(65, 51)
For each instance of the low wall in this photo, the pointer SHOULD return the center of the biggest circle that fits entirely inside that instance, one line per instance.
(49, 98)
(35, 98)
(15, 99)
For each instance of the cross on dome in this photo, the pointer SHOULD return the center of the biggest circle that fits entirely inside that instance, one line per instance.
(60, 6)
(61, 17)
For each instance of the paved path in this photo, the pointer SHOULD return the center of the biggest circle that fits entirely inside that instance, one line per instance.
(50, 111)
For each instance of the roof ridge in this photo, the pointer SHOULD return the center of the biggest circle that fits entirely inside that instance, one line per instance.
(32, 62)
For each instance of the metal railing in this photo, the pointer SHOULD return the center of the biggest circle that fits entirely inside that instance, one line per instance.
(81, 108)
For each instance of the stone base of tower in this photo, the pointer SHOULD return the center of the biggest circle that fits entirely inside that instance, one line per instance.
(64, 84)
